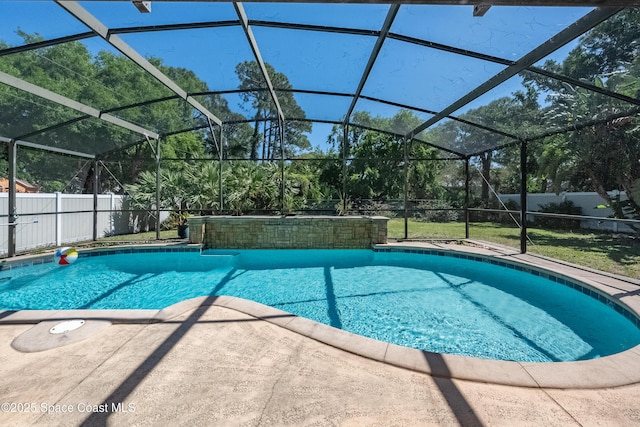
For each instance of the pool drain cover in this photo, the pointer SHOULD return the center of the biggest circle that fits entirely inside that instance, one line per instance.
(50, 334)
(69, 325)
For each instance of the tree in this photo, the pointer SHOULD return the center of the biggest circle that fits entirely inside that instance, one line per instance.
(265, 116)
(376, 168)
(555, 164)
(376, 171)
(516, 114)
(606, 155)
(107, 82)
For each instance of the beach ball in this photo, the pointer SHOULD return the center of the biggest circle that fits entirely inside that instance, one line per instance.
(66, 256)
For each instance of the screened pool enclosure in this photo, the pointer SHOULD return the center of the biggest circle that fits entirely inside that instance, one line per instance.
(433, 112)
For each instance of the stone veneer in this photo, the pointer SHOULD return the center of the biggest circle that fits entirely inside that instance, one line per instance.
(288, 232)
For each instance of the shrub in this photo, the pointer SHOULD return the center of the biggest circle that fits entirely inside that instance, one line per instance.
(436, 211)
(505, 218)
(565, 207)
(376, 208)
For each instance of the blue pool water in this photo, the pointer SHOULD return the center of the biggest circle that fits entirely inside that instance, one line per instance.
(435, 303)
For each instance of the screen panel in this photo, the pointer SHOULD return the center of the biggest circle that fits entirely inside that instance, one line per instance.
(90, 135)
(315, 106)
(22, 23)
(461, 138)
(163, 117)
(510, 108)
(362, 16)
(315, 60)
(90, 72)
(34, 113)
(425, 78)
(391, 118)
(125, 14)
(199, 59)
(504, 32)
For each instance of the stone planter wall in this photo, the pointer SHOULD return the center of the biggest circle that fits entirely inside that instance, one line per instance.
(276, 232)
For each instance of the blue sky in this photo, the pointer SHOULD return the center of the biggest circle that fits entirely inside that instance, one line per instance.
(404, 73)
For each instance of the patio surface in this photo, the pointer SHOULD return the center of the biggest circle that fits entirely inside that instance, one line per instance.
(208, 362)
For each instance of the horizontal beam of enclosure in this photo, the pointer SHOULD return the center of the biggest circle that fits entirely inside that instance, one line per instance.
(558, 215)
(47, 148)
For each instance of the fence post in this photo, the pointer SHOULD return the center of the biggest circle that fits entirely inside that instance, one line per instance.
(112, 216)
(58, 196)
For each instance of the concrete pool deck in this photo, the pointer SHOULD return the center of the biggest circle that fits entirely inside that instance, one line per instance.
(207, 362)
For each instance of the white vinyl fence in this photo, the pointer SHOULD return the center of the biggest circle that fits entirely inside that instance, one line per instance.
(587, 201)
(55, 219)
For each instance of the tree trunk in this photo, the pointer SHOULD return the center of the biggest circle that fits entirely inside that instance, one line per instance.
(543, 184)
(598, 187)
(255, 139)
(272, 141)
(267, 141)
(135, 168)
(87, 188)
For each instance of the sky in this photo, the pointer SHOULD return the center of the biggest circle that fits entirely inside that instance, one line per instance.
(403, 73)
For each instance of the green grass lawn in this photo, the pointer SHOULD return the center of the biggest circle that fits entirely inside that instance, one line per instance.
(615, 253)
(142, 237)
(618, 254)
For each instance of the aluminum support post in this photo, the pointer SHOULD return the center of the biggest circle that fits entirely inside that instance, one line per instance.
(406, 188)
(158, 183)
(12, 149)
(466, 198)
(220, 187)
(345, 153)
(282, 187)
(523, 197)
(96, 165)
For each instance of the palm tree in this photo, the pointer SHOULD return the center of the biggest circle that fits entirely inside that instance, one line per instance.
(206, 189)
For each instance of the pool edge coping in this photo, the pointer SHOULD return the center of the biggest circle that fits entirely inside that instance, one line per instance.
(610, 371)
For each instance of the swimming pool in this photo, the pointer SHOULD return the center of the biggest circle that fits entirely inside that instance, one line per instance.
(437, 303)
